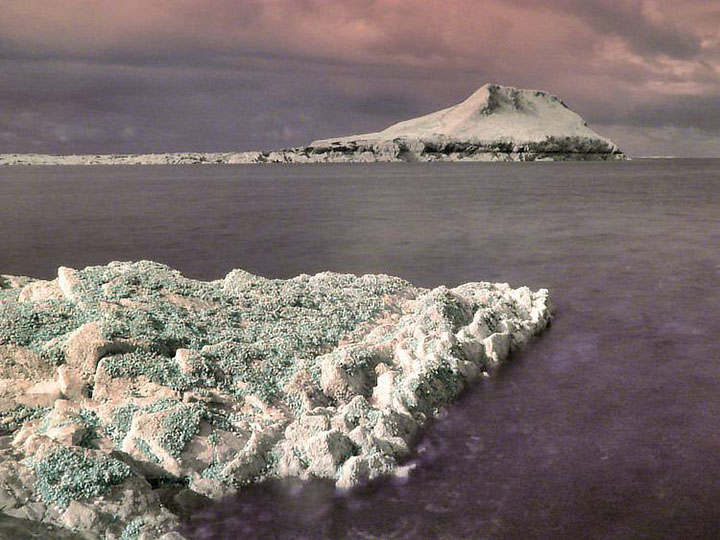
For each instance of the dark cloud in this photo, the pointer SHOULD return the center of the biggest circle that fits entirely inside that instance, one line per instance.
(630, 20)
(697, 112)
(69, 107)
(386, 105)
(100, 76)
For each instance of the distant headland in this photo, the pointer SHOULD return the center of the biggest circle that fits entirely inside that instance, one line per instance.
(496, 123)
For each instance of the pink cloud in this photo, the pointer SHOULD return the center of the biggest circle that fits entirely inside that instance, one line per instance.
(588, 51)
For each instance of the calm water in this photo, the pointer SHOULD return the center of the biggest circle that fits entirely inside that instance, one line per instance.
(607, 427)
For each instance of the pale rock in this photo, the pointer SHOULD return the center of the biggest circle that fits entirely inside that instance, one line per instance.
(200, 452)
(339, 382)
(16, 481)
(362, 438)
(210, 488)
(172, 536)
(404, 357)
(103, 384)
(344, 410)
(325, 451)
(69, 435)
(32, 511)
(249, 461)
(188, 303)
(497, 346)
(71, 383)
(27, 438)
(42, 394)
(40, 291)
(145, 427)
(83, 349)
(13, 282)
(302, 385)
(80, 516)
(18, 362)
(404, 471)
(470, 370)
(185, 359)
(380, 464)
(395, 429)
(354, 471)
(383, 393)
(68, 281)
(130, 499)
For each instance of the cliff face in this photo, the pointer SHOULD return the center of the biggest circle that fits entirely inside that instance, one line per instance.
(494, 123)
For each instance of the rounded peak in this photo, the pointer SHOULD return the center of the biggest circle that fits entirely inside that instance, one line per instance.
(493, 112)
(494, 88)
(490, 97)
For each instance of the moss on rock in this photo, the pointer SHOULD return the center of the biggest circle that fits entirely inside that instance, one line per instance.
(65, 475)
(217, 384)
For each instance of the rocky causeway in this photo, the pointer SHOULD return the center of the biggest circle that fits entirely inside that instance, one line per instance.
(496, 123)
(131, 393)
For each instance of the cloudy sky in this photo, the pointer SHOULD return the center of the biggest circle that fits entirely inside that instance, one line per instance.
(164, 75)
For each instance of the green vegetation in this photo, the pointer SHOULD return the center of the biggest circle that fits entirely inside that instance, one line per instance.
(146, 450)
(65, 475)
(180, 425)
(132, 531)
(25, 325)
(12, 420)
(120, 424)
(243, 339)
(254, 330)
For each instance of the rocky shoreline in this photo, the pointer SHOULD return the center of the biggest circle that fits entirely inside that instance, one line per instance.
(397, 151)
(496, 123)
(394, 152)
(132, 393)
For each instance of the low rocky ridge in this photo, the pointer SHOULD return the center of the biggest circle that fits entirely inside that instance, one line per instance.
(130, 392)
(496, 123)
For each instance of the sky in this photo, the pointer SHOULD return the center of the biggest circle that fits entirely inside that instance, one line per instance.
(91, 76)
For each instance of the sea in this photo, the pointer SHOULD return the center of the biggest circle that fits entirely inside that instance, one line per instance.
(606, 426)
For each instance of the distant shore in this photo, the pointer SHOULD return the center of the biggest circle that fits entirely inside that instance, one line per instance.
(385, 154)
